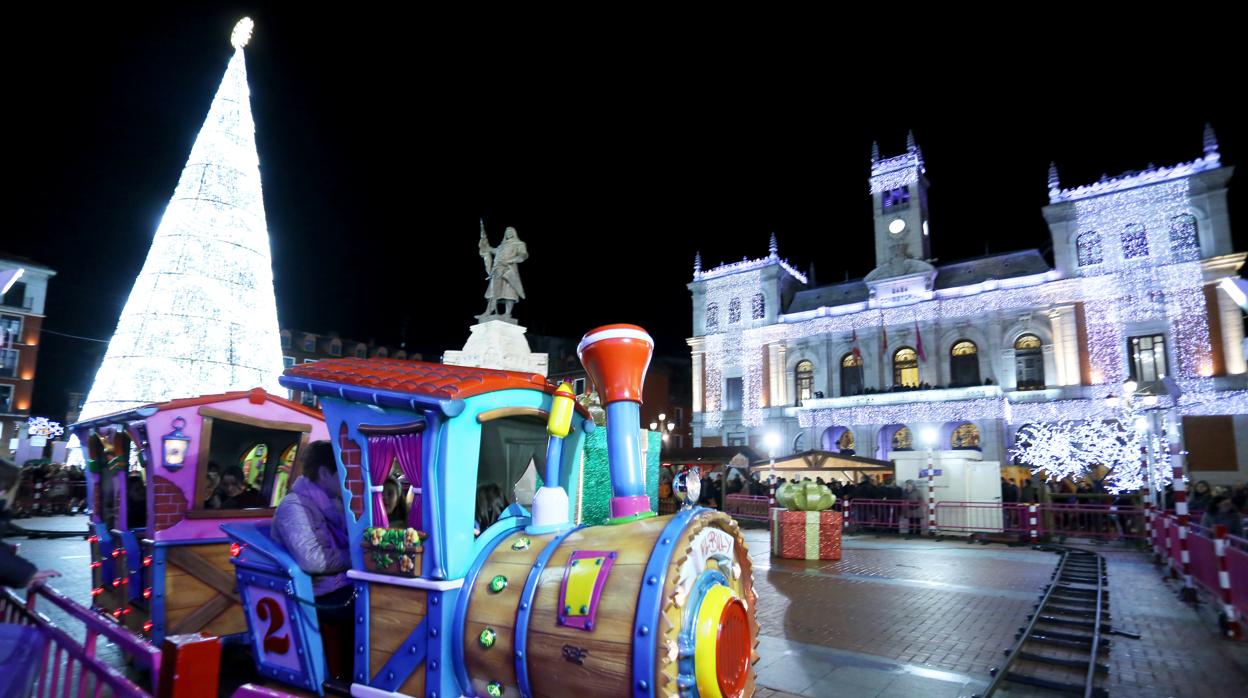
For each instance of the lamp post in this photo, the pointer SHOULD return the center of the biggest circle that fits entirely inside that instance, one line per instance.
(663, 426)
(772, 441)
(929, 439)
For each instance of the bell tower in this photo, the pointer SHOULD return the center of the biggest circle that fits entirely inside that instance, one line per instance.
(899, 197)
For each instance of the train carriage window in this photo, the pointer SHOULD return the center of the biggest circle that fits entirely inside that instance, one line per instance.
(245, 465)
(513, 452)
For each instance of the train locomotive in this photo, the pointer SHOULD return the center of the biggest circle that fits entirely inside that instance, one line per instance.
(534, 604)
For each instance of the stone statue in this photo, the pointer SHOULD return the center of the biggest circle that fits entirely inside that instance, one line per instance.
(504, 277)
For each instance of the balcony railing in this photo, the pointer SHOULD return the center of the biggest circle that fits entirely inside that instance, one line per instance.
(900, 397)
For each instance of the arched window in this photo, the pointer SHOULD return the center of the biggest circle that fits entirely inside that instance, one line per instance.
(1183, 234)
(1088, 248)
(758, 307)
(805, 381)
(712, 316)
(846, 442)
(905, 368)
(1028, 362)
(1134, 241)
(734, 311)
(965, 437)
(964, 364)
(903, 440)
(851, 374)
(335, 348)
(361, 350)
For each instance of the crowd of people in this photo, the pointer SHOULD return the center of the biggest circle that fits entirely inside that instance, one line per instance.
(44, 488)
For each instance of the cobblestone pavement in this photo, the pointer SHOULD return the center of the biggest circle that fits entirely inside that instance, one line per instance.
(919, 617)
(901, 617)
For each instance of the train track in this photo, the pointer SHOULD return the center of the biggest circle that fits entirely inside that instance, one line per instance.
(1064, 642)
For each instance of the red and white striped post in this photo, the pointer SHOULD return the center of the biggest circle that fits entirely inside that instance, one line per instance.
(1165, 536)
(931, 493)
(1179, 479)
(1233, 628)
(1149, 515)
(1032, 526)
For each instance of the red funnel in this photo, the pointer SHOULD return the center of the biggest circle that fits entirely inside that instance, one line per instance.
(616, 358)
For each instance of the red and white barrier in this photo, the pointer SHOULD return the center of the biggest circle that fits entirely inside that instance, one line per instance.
(1233, 629)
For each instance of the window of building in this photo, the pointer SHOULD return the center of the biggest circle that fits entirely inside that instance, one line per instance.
(851, 374)
(906, 368)
(733, 390)
(382, 352)
(285, 340)
(805, 374)
(758, 306)
(680, 417)
(10, 329)
(308, 399)
(578, 386)
(335, 348)
(16, 297)
(1088, 248)
(966, 436)
(361, 351)
(964, 364)
(734, 311)
(895, 199)
(712, 316)
(8, 362)
(903, 440)
(288, 361)
(1134, 241)
(6, 399)
(309, 344)
(1147, 355)
(1028, 362)
(1183, 234)
(736, 439)
(399, 355)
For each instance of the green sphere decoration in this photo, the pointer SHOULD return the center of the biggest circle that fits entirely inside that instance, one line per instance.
(487, 638)
(498, 583)
(495, 689)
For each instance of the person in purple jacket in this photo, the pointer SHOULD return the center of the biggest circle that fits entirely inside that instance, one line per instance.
(311, 525)
(15, 571)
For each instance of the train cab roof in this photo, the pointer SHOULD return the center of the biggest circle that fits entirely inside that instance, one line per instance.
(410, 384)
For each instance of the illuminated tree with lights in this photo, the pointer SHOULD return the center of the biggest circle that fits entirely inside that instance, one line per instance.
(202, 316)
(1078, 449)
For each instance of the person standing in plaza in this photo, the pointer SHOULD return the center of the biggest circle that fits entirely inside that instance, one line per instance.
(15, 571)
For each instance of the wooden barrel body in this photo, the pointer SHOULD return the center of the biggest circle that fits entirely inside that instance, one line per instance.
(630, 632)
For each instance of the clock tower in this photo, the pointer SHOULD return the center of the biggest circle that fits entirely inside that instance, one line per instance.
(899, 197)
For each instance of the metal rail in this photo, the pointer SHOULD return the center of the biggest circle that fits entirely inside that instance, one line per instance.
(1076, 599)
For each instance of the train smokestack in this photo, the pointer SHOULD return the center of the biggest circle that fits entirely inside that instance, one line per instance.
(616, 358)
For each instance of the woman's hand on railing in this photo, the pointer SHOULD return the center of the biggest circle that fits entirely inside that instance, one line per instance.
(39, 578)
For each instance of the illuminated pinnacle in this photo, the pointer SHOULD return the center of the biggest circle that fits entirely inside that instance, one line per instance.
(242, 32)
(1054, 183)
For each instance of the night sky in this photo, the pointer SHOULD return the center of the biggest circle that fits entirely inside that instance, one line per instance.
(616, 149)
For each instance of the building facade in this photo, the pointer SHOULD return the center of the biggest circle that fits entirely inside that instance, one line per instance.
(21, 319)
(300, 347)
(975, 349)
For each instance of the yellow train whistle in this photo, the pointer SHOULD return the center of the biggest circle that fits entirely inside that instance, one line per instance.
(561, 409)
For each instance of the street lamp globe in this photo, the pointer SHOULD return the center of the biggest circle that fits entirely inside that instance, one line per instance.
(929, 437)
(772, 440)
(1130, 387)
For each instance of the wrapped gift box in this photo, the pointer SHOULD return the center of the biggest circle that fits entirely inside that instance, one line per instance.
(806, 535)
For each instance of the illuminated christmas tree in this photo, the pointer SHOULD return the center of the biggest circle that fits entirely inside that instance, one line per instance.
(201, 317)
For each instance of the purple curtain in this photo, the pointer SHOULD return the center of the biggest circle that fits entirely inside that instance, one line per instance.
(407, 448)
(380, 457)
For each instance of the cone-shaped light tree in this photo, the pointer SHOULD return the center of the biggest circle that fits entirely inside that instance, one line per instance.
(202, 317)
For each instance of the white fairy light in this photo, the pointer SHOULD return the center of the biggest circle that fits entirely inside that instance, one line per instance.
(202, 317)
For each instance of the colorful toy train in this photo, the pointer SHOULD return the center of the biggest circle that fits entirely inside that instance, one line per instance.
(531, 604)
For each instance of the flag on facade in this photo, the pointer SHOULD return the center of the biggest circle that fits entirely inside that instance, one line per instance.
(883, 341)
(918, 342)
(854, 343)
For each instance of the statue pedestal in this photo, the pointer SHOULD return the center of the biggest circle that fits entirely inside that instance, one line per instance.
(498, 344)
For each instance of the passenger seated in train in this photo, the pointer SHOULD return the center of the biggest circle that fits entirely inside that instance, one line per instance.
(136, 501)
(213, 473)
(236, 493)
(310, 524)
(396, 505)
(490, 506)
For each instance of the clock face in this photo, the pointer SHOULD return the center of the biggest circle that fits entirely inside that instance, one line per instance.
(896, 225)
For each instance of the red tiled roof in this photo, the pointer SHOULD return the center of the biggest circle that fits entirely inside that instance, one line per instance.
(440, 381)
